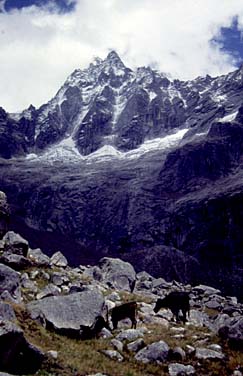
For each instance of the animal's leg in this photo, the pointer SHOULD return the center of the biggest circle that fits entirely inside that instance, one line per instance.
(177, 315)
(184, 316)
(134, 323)
(114, 323)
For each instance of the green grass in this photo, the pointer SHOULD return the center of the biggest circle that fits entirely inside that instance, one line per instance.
(79, 358)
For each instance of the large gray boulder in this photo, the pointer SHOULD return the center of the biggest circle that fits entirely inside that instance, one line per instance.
(130, 335)
(6, 312)
(14, 243)
(17, 355)
(117, 274)
(205, 353)
(157, 352)
(58, 259)
(233, 331)
(10, 282)
(15, 261)
(177, 369)
(68, 314)
(4, 214)
(38, 257)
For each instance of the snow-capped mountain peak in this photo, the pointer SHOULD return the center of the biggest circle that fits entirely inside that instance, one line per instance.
(108, 104)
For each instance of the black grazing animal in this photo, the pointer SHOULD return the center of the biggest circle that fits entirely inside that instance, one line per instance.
(126, 310)
(175, 301)
(87, 332)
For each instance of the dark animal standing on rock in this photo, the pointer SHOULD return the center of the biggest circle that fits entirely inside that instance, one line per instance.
(126, 310)
(93, 331)
(175, 301)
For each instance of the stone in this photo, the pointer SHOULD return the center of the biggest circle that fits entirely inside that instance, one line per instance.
(17, 355)
(215, 347)
(118, 345)
(205, 290)
(144, 281)
(53, 354)
(67, 314)
(49, 290)
(28, 284)
(105, 333)
(6, 312)
(157, 352)
(199, 318)
(38, 257)
(221, 321)
(137, 345)
(114, 355)
(213, 304)
(15, 261)
(160, 283)
(117, 274)
(5, 296)
(130, 335)
(177, 369)
(10, 281)
(190, 350)
(237, 373)
(177, 354)
(204, 353)
(144, 276)
(235, 333)
(14, 243)
(59, 279)
(58, 259)
(114, 297)
(4, 214)
(157, 320)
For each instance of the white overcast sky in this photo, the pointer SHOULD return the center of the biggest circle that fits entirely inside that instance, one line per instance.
(39, 49)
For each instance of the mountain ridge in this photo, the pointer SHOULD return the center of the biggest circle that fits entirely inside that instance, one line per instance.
(109, 104)
(158, 182)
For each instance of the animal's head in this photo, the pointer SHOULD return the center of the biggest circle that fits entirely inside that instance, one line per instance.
(101, 323)
(159, 304)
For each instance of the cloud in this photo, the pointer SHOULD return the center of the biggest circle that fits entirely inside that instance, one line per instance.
(39, 48)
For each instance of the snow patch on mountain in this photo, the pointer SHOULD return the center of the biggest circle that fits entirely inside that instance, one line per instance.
(228, 118)
(160, 143)
(66, 151)
(152, 95)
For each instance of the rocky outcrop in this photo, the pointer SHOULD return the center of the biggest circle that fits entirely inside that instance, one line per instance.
(231, 329)
(157, 352)
(68, 314)
(117, 274)
(108, 103)
(17, 355)
(14, 135)
(10, 283)
(4, 214)
(174, 211)
(14, 243)
(199, 346)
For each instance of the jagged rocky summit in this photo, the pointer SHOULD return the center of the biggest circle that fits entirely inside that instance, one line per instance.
(46, 300)
(108, 104)
(131, 163)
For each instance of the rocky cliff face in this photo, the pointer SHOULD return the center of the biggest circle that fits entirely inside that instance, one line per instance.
(110, 104)
(132, 164)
